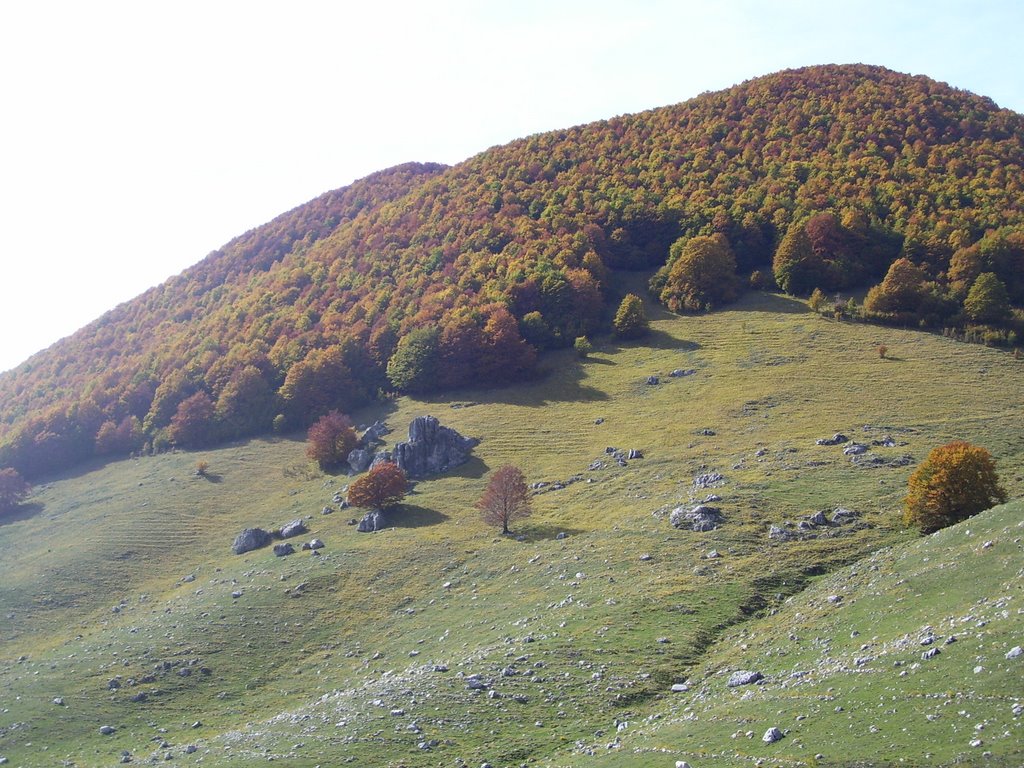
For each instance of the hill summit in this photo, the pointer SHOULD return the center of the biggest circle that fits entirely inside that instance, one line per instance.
(425, 277)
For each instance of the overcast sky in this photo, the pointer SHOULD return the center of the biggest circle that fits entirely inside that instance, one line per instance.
(136, 137)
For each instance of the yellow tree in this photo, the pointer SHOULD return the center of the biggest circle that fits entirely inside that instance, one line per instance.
(956, 481)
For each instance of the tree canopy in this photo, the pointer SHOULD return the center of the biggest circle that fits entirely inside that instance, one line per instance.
(955, 482)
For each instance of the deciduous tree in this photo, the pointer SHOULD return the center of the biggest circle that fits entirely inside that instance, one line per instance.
(702, 275)
(13, 489)
(506, 498)
(330, 439)
(955, 482)
(383, 486)
(987, 301)
(630, 319)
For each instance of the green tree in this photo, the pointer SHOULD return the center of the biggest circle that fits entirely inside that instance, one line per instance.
(413, 366)
(13, 489)
(797, 268)
(583, 346)
(903, 289)
(702, 274)
(955, 482)
(987, 301)
(630, 319)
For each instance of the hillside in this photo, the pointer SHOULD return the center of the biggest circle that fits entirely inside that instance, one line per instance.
(840, 169)
(117, 584)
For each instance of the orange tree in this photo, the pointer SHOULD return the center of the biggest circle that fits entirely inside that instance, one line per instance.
(506, 498)
(955, 482)
(383, 486)
(330, 439)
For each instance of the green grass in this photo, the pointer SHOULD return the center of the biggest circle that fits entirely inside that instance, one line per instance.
(291, 671)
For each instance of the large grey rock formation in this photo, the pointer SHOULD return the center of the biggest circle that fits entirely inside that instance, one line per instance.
(700, 518)
(250, 539)
(294, 528)
(432, 448)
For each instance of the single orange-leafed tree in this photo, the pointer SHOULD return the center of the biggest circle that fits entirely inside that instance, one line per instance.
(955, 482)
(331, 439)
(506, 498)
(383, 486)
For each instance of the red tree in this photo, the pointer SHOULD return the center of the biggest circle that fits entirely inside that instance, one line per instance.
(13, 489)
(383, 486)
(330, 439)
(192, 424)
(506, 498)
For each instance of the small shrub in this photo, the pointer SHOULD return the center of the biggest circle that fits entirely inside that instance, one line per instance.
(202, 467)
(817, 300)
(631, 319)
(882, 351)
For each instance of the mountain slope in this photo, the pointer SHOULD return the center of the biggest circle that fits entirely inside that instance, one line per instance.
(124, 573)
(516, 243)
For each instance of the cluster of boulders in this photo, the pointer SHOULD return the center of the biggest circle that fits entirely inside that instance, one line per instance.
(811, 525)
(257, 538)
(859, 451)
(699, 518)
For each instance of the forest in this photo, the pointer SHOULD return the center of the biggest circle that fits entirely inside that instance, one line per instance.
(824, 181)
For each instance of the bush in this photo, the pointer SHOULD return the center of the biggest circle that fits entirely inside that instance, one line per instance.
(955, 482)
(583, 346)
(383, 486)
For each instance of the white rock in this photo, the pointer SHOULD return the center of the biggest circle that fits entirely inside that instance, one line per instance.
(772, 735)
(1014, 652)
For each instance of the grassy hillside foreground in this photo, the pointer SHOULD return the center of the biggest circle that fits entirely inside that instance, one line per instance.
(440, 643)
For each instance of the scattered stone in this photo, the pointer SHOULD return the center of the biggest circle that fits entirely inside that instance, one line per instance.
(778, 533)
(59, 701)
(931, 653)
(316, 544)
(678, 373)
(599, 420)
(708, 480)
(772, 735)
(432, 448)
(700, 518)
(818, 518)
(680, 687)
(139, 697)
(837, 439)
(113, 684)
(855, 449)
(191, 749)
(1014, 652)
(282, 550)
(562, 535)
(107, 730)
(744, 677)
(326, 511)
(714, 554)
(372, 521)
(706, 432)
(682, 764)
(236, 594)
(635, 453)
(250, 539)
(835, 599)
(652, 381)
(645, 557)
(374, 433)
(294, 528)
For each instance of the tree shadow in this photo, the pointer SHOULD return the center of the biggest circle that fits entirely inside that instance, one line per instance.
(760, 301)
(415, 516)
(543, 531)
(21, 512)
(212, 477)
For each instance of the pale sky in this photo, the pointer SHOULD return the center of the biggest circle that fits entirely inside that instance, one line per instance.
(138, 136)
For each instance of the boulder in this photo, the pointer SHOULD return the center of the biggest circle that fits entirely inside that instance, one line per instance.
(282, 550)
(818, 518)
(842, 515)
(359, 459)
(635, 453)
(772, 735)
(855, 449)
(652, 381)
(680, 372)
(380, 457)
(837, 439)
(744, 677)
(432, 448)
(374, 434)
(250, 539)
(372, 521)
(700, 518)
(316, 544)
(778, 533)
(294, 528)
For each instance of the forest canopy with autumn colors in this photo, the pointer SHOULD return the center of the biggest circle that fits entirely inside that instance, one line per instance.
(424, 277)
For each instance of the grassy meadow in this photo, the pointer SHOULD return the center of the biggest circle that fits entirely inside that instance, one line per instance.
(439, 642)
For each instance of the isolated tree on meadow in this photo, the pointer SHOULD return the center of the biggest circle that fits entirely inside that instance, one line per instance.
(383, 486)
(506, 499)
(630, 319)
(955, 482)
(331, 439)
(13, 489)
